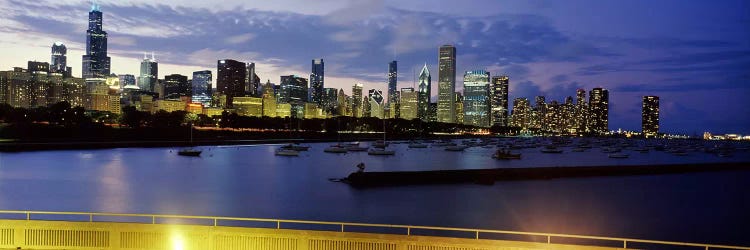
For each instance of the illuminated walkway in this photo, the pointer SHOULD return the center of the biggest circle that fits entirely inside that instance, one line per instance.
(63, 230)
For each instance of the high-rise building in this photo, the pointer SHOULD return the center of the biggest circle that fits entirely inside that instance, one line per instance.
(581, 111)
(477, 98)
(650, 116)
(540, 113)
(521, 115)
(341, 103)
(176, 86)
(459, 102)
(376, 103)
(599, 110)
(499, 100)
(95, 61)
(126, 80)
(446, 111)
(316, 82)
(293, 89)
(269, 100)
(230, 79)
(330, 101)
(357, 100)
(409, 103)
(432, 112)
(392, 89)
(252, 81)
(59, 60)
(425, 86)
(149, 74)
(201, 87)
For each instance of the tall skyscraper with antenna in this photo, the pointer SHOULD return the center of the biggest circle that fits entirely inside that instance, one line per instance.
(96, 63)
(149, 73)
(424, 93)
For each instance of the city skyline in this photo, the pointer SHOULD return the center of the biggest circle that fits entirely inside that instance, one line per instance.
(686, 107)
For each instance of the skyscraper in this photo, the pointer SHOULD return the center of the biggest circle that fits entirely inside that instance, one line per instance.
(269, 100)
(149, 74)
(409, 103)
(201, 86)
(126, 80)
(477, 98)
(581, 111)
(230, 79)
(392, 89)
(59, 60)
(650, 116)
(252, 81)
(95, 61)
(293, 90)
(499, 100)
(330, 101)
(599, 110)
(357, 100)
(446, 111)
(176, 86)
(423, 98)
(316, 82)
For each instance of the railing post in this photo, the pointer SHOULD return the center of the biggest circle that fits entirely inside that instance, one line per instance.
(408, 231)
(278, 224)
(477, 235)
(549, 239)
(153, 219)
(215, 221)
(342, 228)
(625, 244)
(28, 215)
(91, 217)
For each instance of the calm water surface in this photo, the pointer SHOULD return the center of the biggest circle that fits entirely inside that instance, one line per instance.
(249, 181)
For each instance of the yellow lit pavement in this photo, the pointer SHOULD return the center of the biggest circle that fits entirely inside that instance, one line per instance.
(78, 230)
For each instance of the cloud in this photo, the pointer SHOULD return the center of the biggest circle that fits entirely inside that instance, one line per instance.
(122, 40)
(238, 39)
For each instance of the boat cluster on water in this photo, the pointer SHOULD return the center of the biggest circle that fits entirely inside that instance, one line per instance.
(507, 148)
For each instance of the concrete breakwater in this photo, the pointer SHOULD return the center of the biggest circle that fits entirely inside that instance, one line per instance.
(489, 176)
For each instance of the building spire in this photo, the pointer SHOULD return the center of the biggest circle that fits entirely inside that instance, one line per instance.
(95, 5)
(153, 56)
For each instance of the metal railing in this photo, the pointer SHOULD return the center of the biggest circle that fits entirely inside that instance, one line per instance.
(341, 226)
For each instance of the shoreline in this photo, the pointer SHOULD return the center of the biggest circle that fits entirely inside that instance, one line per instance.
(490, 176)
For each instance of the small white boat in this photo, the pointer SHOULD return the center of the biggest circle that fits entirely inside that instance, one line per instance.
(336, 149)
(619, 155)
(287, 152)
(380, 151)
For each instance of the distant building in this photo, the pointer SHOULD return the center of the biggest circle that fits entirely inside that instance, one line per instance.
(499, 101)
(252, 81)
(230, 79)
(392, 89)
(317, 82)
(341, 104)
(59, 60)
(201, 87)
(459, 103)
(170, 105)
(294, 91)
(269, 100)
(248, 106)
(599, 110)
(432, 112)
(521, 115)
(283, 110)
(127, 80)
(581, 112)
(409, 103)
(477, 98)
(425, 89)
(330, 101)
(446, 111)
(149, 74)
(357, 101)
(650, 116)
(176, 86)
(96, 63)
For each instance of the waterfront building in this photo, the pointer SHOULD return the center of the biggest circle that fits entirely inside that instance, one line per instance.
(317, 86)
(201, 87)
(499, 101)
(423, 99)
(252, 81)
(312, 111)
(230, 79)
(95, 62)
(409, 103)
(599, 111)
(477, 98)
(650, 116)
(269, 100)
(521, 114)
(581, 111)
(341, 104)
(283, 110)
(169, 105)
(446, 111)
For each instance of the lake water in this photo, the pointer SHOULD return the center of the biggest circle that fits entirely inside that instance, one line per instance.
(249, 181)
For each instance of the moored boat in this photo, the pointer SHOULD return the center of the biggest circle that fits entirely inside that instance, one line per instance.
(286, 152)
(506, 155)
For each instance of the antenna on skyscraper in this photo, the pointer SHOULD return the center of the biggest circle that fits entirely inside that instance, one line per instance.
(145, 55)
(153, 56)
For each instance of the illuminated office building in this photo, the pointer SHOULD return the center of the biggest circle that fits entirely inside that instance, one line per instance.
(409, 103)
(599, 110)
(446, 111)
(476, 102)
(499, 101)
(425, 86)
(650, 116)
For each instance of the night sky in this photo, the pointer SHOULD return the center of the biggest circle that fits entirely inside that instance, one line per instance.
(695, 55)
